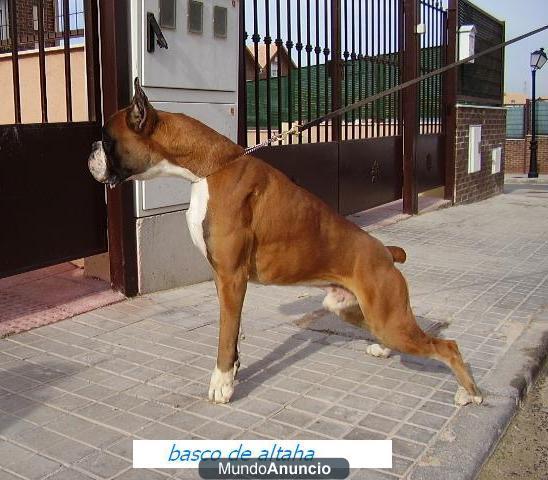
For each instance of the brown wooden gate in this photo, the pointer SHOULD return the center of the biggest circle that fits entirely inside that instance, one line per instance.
(302, 59)
(51, 208)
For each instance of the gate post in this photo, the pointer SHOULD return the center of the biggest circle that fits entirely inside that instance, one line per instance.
(122, 240)
(410, 105)
(450, 100)
(336, 69)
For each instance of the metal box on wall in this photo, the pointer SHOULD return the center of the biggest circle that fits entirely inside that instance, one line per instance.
(197, 75)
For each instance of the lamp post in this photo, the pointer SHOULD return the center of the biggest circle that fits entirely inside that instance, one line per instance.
(538, 59)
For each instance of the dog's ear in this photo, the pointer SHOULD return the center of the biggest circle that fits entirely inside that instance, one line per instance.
(140, 112)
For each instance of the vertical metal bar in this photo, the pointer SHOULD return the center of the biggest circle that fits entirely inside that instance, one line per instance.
(345, 54)
(423, 67)
(384, 65)
(308, 68)
(503, 62)
(336, 99)
(279, 46)
(66, 48)
(326, 67)
(360, 67)
(367, 68)
(299, 48)
(256, 38)
(289, 45)
(429, 60)
(438, 53)
(242, 84)
(442, 29)
(410, 110)
(317, 51)
(377, 57)
(390, 67)
(450, 100)
(401, 58)
(42, 62)
(432, 81)
(15, 61)
(268, 41)
(373, 71)
(353, 59)
(93, 70)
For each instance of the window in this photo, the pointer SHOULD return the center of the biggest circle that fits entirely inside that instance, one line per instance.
(195, 16)
(474, 149)
(496, 157)
(274, 68)
(35, 16)
(168, 13)
(219, 21)
(4, 20)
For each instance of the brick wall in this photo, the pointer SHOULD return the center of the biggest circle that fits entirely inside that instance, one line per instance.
(472, 187)
(25, 24)
(518, 154)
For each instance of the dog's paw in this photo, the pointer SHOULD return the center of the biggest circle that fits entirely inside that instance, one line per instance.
(377, 350)
(462, 397)
(221, 386)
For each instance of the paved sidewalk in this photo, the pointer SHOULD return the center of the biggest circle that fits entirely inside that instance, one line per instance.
(74, 394)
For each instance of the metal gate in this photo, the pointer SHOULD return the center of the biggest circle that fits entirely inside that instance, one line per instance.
(51, 208)
(304, 58)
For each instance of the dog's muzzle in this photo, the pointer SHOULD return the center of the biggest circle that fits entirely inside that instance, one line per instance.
(98, 165)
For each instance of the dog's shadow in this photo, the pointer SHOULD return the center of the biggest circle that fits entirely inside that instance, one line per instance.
(315, 328)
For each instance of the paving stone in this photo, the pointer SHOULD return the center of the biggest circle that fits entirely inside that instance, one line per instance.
(380, 424)
(217, 430)
(103, 465)
(68, 451)
(35, 467)
(431, 421)
(67, 474)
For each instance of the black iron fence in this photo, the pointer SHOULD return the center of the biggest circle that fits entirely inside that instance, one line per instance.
(307, 57)
(50, 13)
(519, 117)
(39, 25)
(482, 81)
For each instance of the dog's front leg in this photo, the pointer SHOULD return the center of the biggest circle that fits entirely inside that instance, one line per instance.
(231, 291)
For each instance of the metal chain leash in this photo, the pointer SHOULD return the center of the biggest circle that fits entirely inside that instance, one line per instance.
(294, 130)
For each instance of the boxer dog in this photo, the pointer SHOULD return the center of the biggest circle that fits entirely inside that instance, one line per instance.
(253, 224)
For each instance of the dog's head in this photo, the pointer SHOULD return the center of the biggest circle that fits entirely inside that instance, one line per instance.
(125, 150)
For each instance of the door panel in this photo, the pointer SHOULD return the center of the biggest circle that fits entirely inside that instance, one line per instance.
(52, 209)
(370, 173)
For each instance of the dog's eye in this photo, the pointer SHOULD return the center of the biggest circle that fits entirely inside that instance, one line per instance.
(108, 143)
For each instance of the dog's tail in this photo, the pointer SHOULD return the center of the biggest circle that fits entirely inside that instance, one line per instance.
(398, 254)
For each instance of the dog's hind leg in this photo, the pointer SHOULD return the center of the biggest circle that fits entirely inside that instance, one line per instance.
(231, 291)
(345, 305)
(390, 319)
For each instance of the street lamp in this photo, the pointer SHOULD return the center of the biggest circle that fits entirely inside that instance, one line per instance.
(538, 59)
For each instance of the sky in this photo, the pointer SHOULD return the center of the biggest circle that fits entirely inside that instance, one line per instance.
(520, 16)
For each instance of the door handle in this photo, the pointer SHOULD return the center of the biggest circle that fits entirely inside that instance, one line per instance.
(154, 32)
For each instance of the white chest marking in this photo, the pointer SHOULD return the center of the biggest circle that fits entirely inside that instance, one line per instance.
(167, 169)
(196, 213)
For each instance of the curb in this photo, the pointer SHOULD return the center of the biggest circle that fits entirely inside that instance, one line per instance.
(541, 180)
(465, 443)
